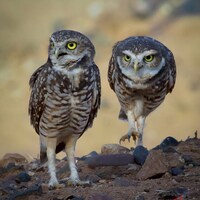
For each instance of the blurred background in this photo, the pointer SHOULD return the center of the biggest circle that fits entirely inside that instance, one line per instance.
(25, 30)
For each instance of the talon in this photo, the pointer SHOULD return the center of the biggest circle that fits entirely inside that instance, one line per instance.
(55, 185)
(128, 136)
(123, 138)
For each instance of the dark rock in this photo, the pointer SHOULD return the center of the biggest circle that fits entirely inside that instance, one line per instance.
(10, 167)
(12, 158)
(158, 163)
(190, 147)
(140, 154)
(172, 193)
(175, 171)
(167, 142)
(110, 160)
(91, 154)
(35, 189)
(153, 167)
(22, 177)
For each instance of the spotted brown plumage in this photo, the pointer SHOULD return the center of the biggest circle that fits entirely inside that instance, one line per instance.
(65, 98)
(141, 72)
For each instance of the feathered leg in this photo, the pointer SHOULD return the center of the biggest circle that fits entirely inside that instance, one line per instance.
(43, 150)
(51, 155)
(136, 126)
(70, 151)
(140, 127)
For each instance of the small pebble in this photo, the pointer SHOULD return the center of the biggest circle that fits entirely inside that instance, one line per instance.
(93, 178)
(22, 177)
(102, 181)
(190, 165)
(175, 171)
(172, 193)
(133, 167)
(187, 158)
(45, 187)
(90, 155)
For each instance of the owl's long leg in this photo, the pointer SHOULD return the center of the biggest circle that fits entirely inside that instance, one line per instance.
(51, 155)
(70, 151)
(140, 126)
(136, 127)
(43, 149)
(133, 130)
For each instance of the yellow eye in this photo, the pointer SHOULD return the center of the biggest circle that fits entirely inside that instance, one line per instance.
(127, 58)
(71, 45)
(149, 58)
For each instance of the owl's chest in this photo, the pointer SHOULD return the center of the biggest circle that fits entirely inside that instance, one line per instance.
(67, 81)
(70, 88)
(143, 98)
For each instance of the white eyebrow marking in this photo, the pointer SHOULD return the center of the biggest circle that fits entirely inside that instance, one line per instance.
(139, 56)
(146, 53)
(130, 53)
(52, 39)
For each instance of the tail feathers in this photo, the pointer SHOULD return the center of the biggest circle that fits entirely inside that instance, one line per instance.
(122, 115)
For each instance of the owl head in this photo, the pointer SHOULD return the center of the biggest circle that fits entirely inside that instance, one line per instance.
(140, 58)
(68, 48)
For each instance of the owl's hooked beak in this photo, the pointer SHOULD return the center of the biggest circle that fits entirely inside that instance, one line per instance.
(57, 52)
(135, 66)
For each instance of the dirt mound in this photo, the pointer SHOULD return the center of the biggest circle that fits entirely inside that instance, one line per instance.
(169, 171)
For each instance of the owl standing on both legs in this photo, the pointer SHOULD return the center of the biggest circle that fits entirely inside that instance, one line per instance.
(65, 97)
(141, 72)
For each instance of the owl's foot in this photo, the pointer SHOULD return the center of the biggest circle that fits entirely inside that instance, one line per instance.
(53, 184)
(128, 136)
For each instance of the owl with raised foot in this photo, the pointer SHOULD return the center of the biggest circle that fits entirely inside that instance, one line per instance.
(142, 71)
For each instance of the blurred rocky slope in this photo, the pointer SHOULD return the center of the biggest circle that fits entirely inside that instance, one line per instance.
(26, 27)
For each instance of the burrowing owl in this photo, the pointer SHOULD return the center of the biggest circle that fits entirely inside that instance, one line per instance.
(141, 72)
(65, 97)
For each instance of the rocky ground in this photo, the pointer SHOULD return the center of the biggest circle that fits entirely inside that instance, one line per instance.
(169, 171)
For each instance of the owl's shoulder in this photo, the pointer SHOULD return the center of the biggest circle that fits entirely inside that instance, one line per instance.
(42, 71)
